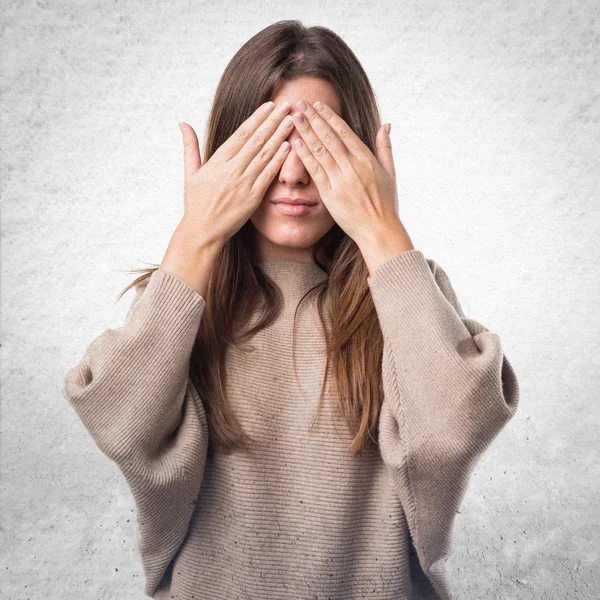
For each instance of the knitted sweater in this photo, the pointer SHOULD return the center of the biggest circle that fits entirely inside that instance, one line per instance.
(297, 516)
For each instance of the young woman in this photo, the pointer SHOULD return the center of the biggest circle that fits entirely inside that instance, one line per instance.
(296, 399)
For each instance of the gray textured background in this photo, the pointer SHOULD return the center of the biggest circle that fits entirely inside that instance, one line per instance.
(495, 116)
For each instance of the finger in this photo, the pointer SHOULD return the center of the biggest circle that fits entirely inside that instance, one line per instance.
(321, 138)
(266, 176)
(344, 132)
(383, 143)
(265, 154)
(257, 141)
(238, 138)
(191, 151)
(313, 166)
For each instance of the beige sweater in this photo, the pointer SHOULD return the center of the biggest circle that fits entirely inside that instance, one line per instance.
(297, 517)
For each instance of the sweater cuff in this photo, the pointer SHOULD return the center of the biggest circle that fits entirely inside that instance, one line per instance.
(406, 277)
(412, 309)
(174, 295)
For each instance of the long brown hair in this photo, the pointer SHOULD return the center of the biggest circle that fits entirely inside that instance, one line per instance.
(282, 52)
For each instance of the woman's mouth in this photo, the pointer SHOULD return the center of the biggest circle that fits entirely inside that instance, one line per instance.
(293, 209)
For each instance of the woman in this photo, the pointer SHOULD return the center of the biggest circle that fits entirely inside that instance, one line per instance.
(296, 399)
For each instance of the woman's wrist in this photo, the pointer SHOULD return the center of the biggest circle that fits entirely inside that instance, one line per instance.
(187, 233)
(191, 257)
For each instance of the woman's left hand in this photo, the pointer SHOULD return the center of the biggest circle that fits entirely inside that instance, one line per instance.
(357, 188)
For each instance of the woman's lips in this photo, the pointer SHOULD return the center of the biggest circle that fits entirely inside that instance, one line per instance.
(293, 209)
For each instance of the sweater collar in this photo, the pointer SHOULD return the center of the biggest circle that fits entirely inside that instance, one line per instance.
(293, 276)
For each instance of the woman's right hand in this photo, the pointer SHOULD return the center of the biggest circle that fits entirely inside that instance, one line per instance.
(221, 195)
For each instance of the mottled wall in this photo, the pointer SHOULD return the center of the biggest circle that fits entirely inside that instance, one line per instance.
(495, 116)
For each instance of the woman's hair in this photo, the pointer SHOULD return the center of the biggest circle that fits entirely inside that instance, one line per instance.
(279, 53)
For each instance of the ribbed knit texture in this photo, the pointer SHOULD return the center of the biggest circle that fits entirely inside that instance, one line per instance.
(296, 516)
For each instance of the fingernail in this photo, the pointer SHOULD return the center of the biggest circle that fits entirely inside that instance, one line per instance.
(388, 128)
(180, 126)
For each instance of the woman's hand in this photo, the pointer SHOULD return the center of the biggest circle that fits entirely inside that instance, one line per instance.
(220, 196)
(357, 188)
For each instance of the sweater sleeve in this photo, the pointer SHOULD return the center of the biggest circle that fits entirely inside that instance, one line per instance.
(133, 393)
(448, 392)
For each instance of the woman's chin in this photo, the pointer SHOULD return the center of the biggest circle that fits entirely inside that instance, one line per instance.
(287, 240)
(290, 231)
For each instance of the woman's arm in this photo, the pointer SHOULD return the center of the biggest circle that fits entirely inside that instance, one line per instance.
(133, 393)
(448, 392)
